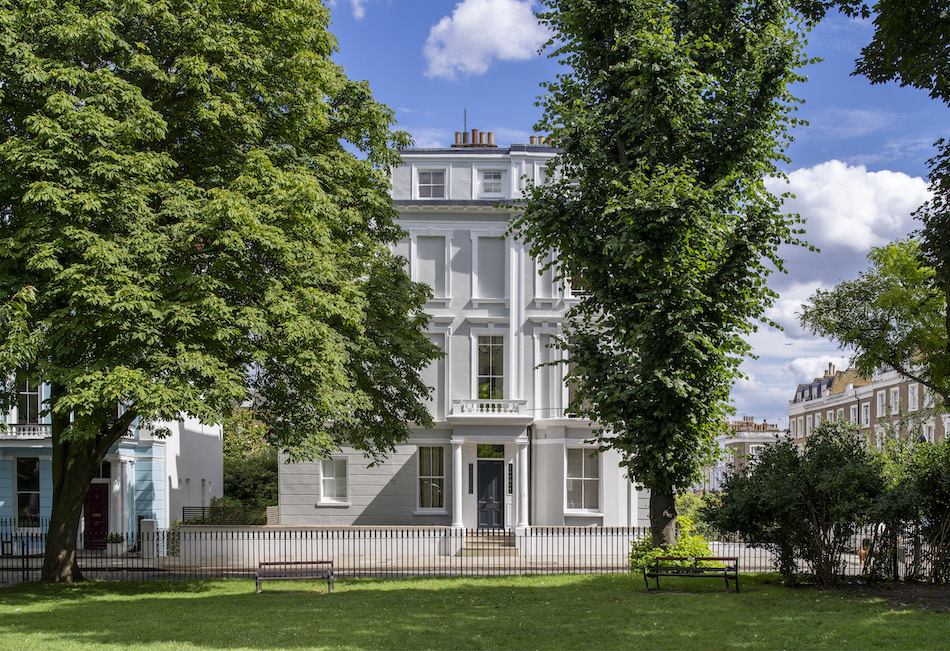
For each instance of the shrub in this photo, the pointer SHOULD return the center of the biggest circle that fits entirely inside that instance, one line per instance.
(115, 538)
(688, 544)
(804, 504)
(693, 507)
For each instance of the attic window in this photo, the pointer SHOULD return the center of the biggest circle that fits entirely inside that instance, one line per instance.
(432, 184)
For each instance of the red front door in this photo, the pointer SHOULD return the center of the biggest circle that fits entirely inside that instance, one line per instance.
(96, 516)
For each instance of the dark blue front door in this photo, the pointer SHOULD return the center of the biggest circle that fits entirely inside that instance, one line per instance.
(491, 487)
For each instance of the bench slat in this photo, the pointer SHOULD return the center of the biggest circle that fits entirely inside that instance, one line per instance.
(656, 570)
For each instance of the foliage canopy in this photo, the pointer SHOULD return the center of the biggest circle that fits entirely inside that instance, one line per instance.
(176, 186)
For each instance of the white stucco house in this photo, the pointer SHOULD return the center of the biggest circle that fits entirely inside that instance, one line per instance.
(142, 477)
(503, 453)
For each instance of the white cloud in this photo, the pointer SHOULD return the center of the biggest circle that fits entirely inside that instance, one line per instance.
(850, 123)
(358, 7)
(480, 32)
(430, 137)
(805, 369)
(789, 304)
(849, 206)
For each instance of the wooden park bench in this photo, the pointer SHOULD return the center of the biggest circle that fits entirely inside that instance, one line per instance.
(295, 570)
(727, 567)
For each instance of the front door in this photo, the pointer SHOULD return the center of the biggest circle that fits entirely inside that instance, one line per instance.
(491, 487)
(96, 516)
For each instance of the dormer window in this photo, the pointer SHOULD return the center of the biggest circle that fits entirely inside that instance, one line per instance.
(432, 184)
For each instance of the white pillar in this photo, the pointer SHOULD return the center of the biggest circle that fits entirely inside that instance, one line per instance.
(522, 485)
(457, 485)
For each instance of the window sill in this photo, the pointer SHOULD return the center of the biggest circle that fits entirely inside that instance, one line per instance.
(341, 505)
(430, 512)
(582, 512)
(476, 302)
(442, 301)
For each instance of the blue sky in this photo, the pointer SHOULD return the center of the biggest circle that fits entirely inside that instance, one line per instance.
(858, 170)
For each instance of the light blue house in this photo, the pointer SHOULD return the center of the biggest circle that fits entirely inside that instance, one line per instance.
(142, 476)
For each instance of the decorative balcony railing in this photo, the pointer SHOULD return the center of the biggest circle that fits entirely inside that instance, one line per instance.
(490, 407)
(26, 431)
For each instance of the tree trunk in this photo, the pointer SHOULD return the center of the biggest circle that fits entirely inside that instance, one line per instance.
(663, 517)
(75, 463)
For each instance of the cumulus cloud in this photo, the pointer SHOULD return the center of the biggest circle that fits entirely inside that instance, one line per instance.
(849, 206)
(789, 304)
(429, 137)
(806, 369)
(480, 32)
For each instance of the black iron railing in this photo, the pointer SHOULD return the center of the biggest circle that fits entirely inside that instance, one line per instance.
(204, 551)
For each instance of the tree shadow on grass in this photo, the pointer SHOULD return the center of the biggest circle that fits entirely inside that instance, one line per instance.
(515, 612)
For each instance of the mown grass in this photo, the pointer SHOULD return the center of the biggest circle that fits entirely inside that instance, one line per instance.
(541, 612)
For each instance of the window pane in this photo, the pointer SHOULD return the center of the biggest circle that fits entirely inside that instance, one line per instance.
(28, 509)
(575, 494)
(591, 465)
(437, 461)
(590, 494)
(575, 463)
(28, 474)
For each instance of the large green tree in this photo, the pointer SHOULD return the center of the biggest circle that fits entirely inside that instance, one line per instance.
(670, 114)
(178, 187)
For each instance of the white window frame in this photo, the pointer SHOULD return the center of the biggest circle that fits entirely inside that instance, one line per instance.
(928, 398)
(30, 392)
(913, 397)
(801, 426)
(446, 234)
(881, 403)
(854, 414)
(489, 300)
(505, 376)
(428, 510)
(334, 500)
(445, 169)
(808, 425)
(894, 404)
(830, 415)
(481, 182)
(839, 415)
(866, 414)
(929, 431)
(754, 450)
(792, 432)
(587, 451)
(38, 492)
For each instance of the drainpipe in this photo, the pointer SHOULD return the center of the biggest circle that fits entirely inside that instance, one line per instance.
(530, 478)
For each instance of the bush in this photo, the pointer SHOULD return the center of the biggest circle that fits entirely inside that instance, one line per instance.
(688, 544)
(693, 507)
(252, 481)
(804, 504)
(115, 538)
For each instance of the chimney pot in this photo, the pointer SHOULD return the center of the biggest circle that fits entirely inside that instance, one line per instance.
(458, 137)
(533, 140)
(481, 138)
(474, 136)
(465, 137)
(491, 138)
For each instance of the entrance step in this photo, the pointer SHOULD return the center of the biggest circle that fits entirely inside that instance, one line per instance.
(489, 543)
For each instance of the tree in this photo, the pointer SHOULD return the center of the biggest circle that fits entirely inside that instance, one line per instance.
(804, 504)
(250, 461)
(892, 316)
(670, 116)
(177, 184)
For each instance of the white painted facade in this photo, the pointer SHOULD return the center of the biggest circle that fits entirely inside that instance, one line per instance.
(498, 408)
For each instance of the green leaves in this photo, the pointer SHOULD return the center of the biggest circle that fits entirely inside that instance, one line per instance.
(669, 117)
(177, 188)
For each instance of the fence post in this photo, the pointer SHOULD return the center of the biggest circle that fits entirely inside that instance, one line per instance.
(147, 537)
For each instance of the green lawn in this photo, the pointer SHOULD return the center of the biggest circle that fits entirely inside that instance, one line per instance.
(543, 612)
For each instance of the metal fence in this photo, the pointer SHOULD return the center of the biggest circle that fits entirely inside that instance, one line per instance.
(204, 551)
